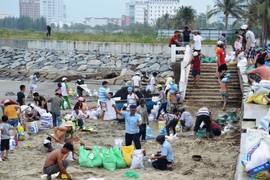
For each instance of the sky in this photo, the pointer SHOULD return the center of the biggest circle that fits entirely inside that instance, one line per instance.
(77, 10)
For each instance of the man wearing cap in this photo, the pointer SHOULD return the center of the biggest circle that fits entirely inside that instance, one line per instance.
(196, 67)
(78, 83)
(103, 98)
(56, 162)
(56, 102)
(132, 122)
(250, 44)
(132, 98)
(65, 92)
(136, 81)
(61, 133)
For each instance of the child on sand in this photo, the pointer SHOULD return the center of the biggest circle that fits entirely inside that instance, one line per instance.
(223, 89)
(5, 136)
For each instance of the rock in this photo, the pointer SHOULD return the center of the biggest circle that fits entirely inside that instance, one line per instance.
(141, 66)
(163, 68)
(82, 67)
(15, 64)
(154, 67)
(134, 62)
(82, 62)
(118, 63)
(94, 63)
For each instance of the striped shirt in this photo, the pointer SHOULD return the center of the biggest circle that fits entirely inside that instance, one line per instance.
(203, 111)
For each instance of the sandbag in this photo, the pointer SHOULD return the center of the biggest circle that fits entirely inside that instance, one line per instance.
(264, 84)
(127, 153)
(251, 67)
(84, 159)
(34, 127)
(149, 134)
(256, 163)
(109, 162)
(262, 90)
(232, 63)
(97, 159)
(120, 163)
(259, 99)
(46, 121)
(137, 159)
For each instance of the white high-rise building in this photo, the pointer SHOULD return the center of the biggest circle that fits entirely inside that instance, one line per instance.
(136, 11)
(54, 11)
(158, 8)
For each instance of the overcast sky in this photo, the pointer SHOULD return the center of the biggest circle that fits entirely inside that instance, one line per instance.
(77, 10)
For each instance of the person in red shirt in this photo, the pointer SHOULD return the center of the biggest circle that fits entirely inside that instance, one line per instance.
(221, 63)
(175, 39)
(216, 129)
(196, 67)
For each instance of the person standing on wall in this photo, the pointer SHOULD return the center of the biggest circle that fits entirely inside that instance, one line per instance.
(186, 35)
(49, 30)
(197, 41)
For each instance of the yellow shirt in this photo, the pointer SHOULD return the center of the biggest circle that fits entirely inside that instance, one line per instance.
(168, 80)
(11, 112)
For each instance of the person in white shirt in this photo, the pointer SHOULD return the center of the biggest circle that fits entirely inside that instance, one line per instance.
(136, 81)
(132, 98)
(153, 82)
(186, 119)
(78, 115)
(197, 41)
(250, 44)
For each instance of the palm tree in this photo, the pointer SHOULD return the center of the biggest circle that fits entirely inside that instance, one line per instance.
(228, 7)
(259, 12)
(165, 22)
(185, 15)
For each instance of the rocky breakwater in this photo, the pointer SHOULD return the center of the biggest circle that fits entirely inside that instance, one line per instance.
(19, 64)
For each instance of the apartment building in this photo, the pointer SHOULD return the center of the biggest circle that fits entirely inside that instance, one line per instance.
(54, 11)
(30, 8)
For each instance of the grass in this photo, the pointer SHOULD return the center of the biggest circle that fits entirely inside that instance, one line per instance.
(82, 36)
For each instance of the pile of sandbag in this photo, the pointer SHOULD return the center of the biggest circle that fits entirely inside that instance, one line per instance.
(257, 95)
(208, 60)
(112, 158)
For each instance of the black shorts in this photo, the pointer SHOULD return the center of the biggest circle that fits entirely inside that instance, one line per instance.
(206, 120)
(196, 72)
(4, 144)
(222, 67)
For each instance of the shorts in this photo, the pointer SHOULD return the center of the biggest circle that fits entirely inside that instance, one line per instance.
(4, 144)
(206, 120)
(222, 67)
(13, 122)
(225, 95)
(196, 72)
(103, 106)
(250, 54)
(33, 87)
(54, 168)
(255, 77)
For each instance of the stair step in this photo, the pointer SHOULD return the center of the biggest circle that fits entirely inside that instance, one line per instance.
(234, 80)
(211, 101)
(211, 91)
(214, 93)
(211, 97)
(212, 86)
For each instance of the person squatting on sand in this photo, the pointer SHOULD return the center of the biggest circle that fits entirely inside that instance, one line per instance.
(132, 123)
(164, 158)
(56, 162)
(203, 115)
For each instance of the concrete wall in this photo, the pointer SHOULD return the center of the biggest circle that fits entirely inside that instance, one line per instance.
(103, 47)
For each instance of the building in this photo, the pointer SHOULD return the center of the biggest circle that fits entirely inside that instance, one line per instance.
(136, 12)
(30, 8)
(157, 8)
(3, 16)
(54, 11)
(92, 21)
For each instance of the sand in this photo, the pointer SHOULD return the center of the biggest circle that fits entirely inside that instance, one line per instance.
(219, 155)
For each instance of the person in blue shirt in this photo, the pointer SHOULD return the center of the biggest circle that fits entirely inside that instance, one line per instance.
(103, 98)
(132, 122)
(164, 158)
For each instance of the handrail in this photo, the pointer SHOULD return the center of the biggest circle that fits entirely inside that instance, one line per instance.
(185, 71)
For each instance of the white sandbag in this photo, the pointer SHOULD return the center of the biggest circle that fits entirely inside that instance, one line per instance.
(242, 62)
(171, 137)
(256, 163)
(262, 90)
(264, 84)
(70, 157)
(151, 117)
(46, 121)
(34, 127)
(137, 159)
(118, 142)
(12, 144)
(253, 136)
(39, 110)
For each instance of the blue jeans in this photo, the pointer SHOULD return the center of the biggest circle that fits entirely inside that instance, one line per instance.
(13, 122)
(57, 119)
(162, 106)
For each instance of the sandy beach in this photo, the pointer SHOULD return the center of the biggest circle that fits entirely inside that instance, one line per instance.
(219, 155)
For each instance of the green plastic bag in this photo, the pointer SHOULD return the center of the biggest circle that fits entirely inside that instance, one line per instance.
(97, 159)
(212, 60)
(108, 159)
(204, 60)
(201, 133)
(232, 117)
(250, 68)
(131, 174)
(120, 163)
(84, 159)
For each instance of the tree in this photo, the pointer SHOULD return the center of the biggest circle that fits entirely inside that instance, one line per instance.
(228, 7)
(202, 21)
(185, 15)
(165, 22)
(259, 14)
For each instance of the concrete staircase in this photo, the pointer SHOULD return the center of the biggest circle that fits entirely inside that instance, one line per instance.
(208, 90)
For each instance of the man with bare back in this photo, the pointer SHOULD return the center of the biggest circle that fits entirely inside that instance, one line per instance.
(56, 162)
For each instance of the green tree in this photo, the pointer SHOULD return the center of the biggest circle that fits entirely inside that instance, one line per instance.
(202, 21)
(259, 16)
(229, 8)
(165, 22)
(185, 15)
